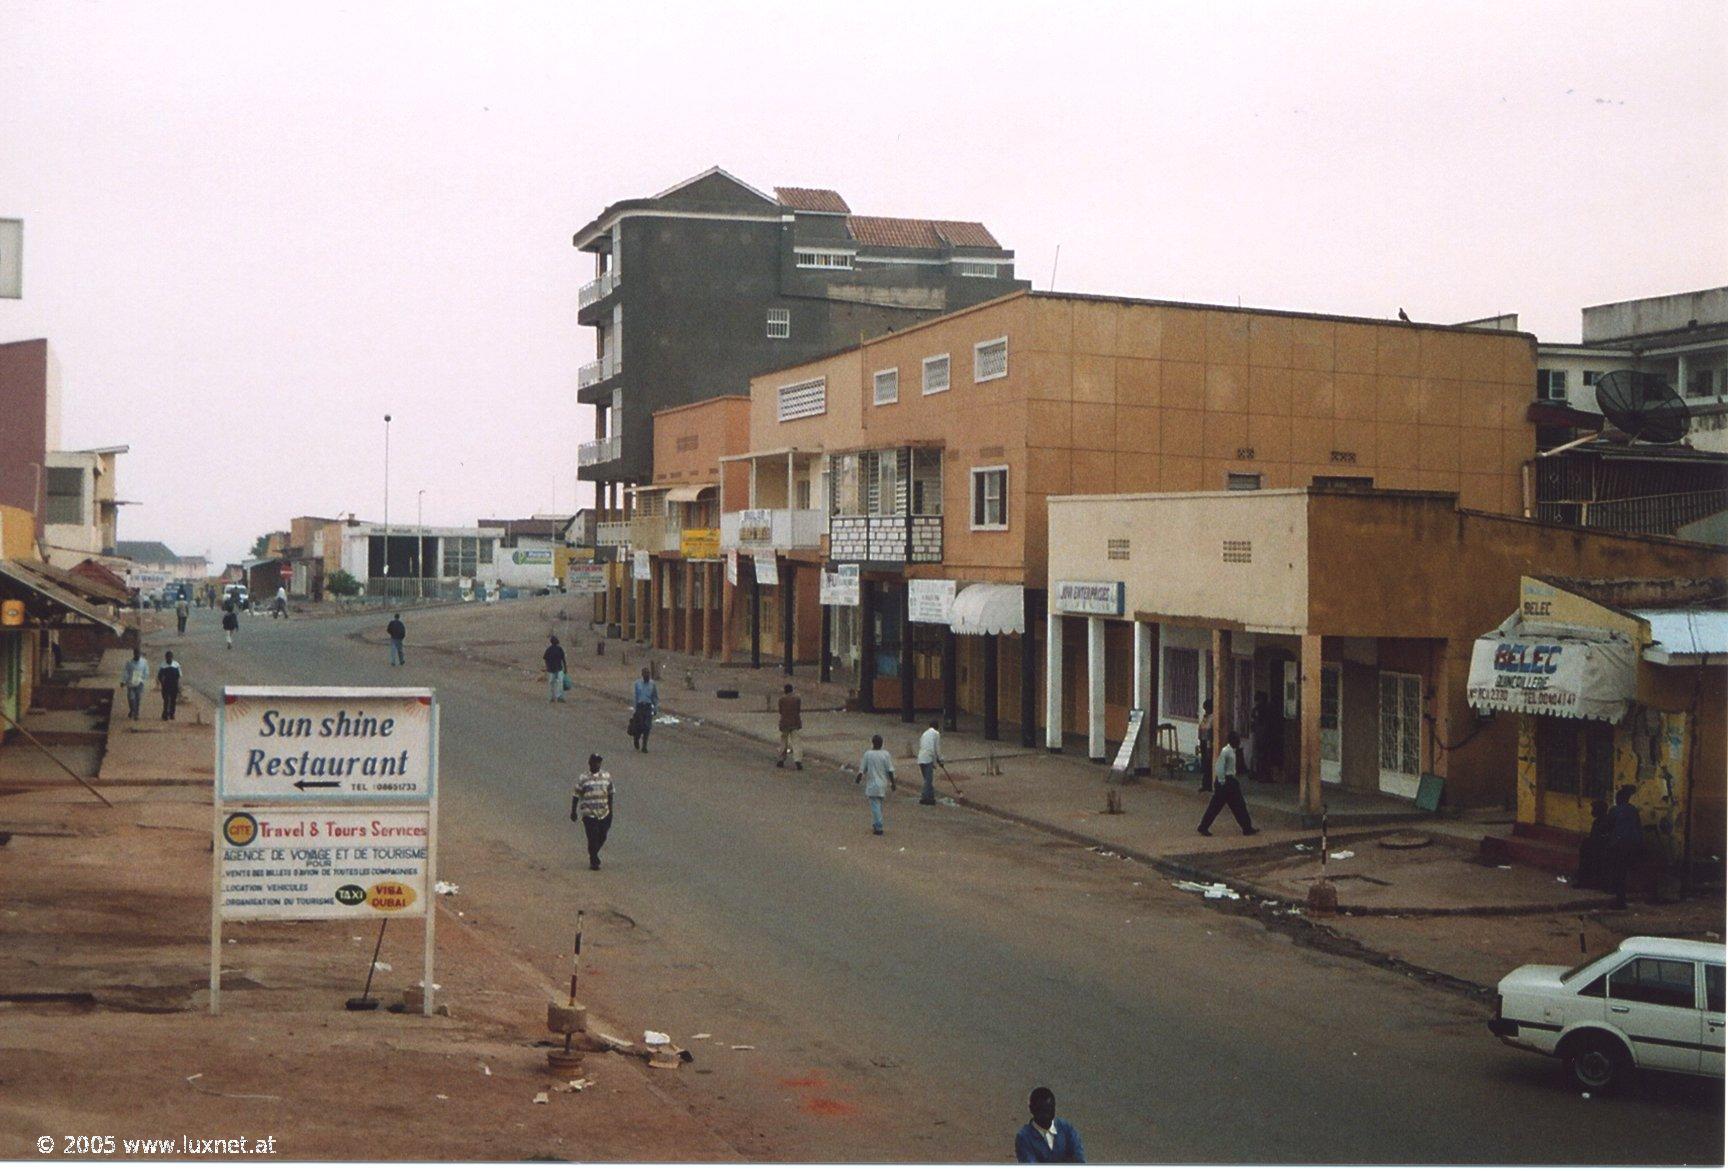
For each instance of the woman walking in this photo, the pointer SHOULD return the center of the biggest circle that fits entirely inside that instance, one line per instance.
(230, 623)
(592, 803)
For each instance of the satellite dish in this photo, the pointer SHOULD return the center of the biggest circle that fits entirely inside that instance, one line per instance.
(1643, 406)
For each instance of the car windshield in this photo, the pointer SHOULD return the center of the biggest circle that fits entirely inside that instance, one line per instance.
(1571, 972)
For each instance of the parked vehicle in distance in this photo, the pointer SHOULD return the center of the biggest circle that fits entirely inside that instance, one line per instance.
(1651, 1003)
(236, 594)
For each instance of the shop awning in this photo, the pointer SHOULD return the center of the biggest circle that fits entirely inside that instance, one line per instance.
(1542, 671)
(689, 493)
(1685, 638)
(38, 583)
(989, 608)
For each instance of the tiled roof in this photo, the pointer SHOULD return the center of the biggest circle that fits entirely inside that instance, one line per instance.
(965, 234)
(153, 552)
(812, 199)
(890, 232)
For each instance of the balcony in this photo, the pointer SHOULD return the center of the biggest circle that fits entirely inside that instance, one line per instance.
(599, 451)
(654, 535)
(889, 540)
(597, 290)
(766, 529)
(597, 372)
(612, 533)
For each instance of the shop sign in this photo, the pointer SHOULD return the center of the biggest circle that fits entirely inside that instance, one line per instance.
(1089, 597)
(322, 863)
(839, 586)
(531, 556)
(1571, 678)
(699, 544)
(756, 528)
(767, 569)
(732, 567)
(930, 600)
(641, 569)
(585, 578)
(318, 744)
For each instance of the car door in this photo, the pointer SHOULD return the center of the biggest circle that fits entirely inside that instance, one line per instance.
(1710, 1058)
(1654, 1001)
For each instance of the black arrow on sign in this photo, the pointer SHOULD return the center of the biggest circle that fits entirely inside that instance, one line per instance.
(304, 785)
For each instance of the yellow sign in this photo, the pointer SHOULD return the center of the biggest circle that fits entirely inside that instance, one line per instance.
(390, 896)
(700, 544)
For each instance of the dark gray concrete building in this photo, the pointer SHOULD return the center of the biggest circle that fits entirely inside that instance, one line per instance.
(712, 281)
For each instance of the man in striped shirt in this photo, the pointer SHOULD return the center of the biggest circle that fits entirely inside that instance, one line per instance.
(594, 807)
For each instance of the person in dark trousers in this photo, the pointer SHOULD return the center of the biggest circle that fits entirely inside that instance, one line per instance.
(791, 723)
(645, 705)
(397, 633)
(135, 677)
(230, 624)
(592, 803)
(1625, 842)
(168, 678)
(1227, 790)
(182, 610)
(556, 665)
(1206, 747)
(1047, 1138)
(929, 759)
(1593, 850)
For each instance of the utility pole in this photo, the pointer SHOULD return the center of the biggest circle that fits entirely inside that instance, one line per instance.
(419, 543)
(386, 506)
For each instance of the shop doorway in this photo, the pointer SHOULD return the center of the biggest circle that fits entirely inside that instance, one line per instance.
(1400, 734)
(1331, 724)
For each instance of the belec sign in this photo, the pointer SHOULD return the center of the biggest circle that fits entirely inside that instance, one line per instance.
(326, 807)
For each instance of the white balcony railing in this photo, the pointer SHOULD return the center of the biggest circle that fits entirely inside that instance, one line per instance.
(598, 370)
(654, 534)
(598, 451)
(596, 290)
(612, 532)
(785, 528)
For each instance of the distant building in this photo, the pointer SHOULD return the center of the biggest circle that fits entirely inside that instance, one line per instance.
(30, 406)
(82, 510)
(428, 560)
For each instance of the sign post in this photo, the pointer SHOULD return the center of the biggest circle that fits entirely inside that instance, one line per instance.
(326, 807)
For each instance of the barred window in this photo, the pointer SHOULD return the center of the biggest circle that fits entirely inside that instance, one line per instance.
(936, 374)
(800, 400)
(887, 387)
(780, 323)
(990, 360)
(1181, 689)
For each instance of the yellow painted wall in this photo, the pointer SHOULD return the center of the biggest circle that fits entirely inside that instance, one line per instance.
(17, 533)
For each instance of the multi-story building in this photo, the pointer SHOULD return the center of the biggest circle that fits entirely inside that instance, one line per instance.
(936, 447)
(30, 405)
(83, 512)
(711, 281)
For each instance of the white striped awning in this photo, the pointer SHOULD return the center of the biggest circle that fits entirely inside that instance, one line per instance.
(989, 608)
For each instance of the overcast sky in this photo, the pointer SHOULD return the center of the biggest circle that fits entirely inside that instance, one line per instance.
(251, 230)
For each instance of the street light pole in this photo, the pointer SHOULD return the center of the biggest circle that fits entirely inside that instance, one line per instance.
(419, 543)
(386, 506)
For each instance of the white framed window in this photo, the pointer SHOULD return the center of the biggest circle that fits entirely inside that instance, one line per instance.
(822, 258)
(1242, 481)
(990, 498)
(1590, 377)
(1180, 689)
(887, 387)
(779, 323)
(801, 400)
(984, 268)
(990, 360)
(1551, 385)
(936, 374)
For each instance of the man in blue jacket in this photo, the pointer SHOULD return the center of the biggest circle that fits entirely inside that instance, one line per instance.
(1047, 1138)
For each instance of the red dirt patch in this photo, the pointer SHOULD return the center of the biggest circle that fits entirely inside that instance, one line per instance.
(831, 1107)
(813, 1081)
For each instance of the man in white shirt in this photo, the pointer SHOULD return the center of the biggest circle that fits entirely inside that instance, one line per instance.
(1227, 790)
(876, 771)
(929, 756)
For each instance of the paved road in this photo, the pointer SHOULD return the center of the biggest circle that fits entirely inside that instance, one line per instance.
(903, 993)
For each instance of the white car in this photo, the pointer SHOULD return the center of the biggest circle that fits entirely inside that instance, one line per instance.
(1651, 1003)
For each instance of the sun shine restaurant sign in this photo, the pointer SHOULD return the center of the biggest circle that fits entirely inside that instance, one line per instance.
(326, 807)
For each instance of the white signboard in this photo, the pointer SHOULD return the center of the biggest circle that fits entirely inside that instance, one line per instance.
(767, 569)
(732, 567)
(145, 581)
(585, 577)
(1571, 678)
(326, 745)
(929, 600)
(756, 528)
(531, 556)
(323, 863)
(641, 569)
(1088, 597)
(840, 586)
(12, 259)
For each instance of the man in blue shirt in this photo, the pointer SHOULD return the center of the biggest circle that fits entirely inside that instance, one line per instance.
(647, 703)
(1047, 1138)
(1625, 841)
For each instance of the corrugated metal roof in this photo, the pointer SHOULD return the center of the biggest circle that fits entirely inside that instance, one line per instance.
(820, 199)
(1683, 635)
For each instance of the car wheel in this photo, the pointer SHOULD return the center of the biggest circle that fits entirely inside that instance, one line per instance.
(1596, 1062)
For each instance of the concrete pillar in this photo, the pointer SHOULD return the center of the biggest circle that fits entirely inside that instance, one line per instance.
(755, 618)
(1143, 694)
(710, 610)
(826, 670)
(1221, 693)
(1053, 681)
(1308, 737)
(687, 571)
(867, 646)
(1680, 372)
(950, 680)
(1442, 709)
(992, 687)
(1095, 688)
(908, 712)
(788, 588)
(1031, 603)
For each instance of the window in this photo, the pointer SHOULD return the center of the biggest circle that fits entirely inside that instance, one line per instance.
(779, 323)
(936, 374)
(1242, 481)
(822, 258)
(990, 360)
(887, 387)
(800, 400)
(1575, 756)
(1400, 723)
(1590, 377)
(1181, 689)
(977, 268)
(1653, 981)
(1713, 987)
(801, 495)
(1343, 481)
(1699, 382)
(926, 481)
(1551, 385)
(462, 555)
(989, 498)
(65, 496)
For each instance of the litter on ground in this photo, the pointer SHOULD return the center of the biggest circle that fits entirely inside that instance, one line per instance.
(487, 1070)
(736, 1047)
(700, 1036)
(445, 888)
(1341, 855)
(1303, 846)
(1502, 868)
(667, 720)
(650, 1037)
(1212, 890)
(542, 1098)
(1563, 880)
(380, 966)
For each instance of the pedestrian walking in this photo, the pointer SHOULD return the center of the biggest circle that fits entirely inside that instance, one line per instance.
(1047, 1138)
(1227, 790)
(168, 678)
(592, 804)
(1625, 842)
(397, 633)
(230, 623)
(791, 723)
(876, 771)
(929, 756)
(556, 665)
(182, 611)
(280, 608)
(135, 677)
(1205, 753)
(645, 705)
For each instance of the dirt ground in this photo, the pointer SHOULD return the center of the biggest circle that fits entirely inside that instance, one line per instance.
(113, 906)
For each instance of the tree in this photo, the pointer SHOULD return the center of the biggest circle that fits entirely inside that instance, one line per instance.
(342, 584)
(261, 546)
